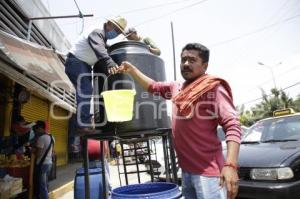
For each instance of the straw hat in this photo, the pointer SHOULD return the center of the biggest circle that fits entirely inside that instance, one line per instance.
(119, 22)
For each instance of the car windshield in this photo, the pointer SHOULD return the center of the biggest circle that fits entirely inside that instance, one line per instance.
(274, 130)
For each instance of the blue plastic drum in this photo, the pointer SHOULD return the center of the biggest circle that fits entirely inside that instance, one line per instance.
(157, 190)
(95, 184)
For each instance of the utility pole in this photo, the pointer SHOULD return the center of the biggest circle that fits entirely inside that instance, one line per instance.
(272, 72)
(173, 45)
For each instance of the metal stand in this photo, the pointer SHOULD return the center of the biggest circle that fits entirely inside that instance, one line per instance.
(164, 133)
(144, 151)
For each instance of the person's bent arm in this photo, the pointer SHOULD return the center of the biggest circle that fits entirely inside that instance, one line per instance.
(140, 77)
(155, 51)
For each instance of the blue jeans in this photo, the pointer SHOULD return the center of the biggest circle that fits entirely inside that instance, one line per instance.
(80, 74)
(201, 187)
(43, 181)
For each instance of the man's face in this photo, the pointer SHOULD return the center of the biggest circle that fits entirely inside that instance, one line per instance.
(191, 65)
(39, 130)
(110, 26)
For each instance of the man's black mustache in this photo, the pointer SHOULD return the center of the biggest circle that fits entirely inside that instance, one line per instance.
(186, 70)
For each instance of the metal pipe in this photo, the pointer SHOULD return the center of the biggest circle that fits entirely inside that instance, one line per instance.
(173, 158)
(173, 46)
(62, 16)
(150, 161)
(86, 169)
(104, 182)
(272, 72)
(166, 156)
(136, 161)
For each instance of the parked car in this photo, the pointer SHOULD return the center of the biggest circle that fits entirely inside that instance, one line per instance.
(269, 158)
(221, 135)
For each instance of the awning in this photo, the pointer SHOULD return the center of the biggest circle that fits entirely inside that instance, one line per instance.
(37, 68)
(36, 60)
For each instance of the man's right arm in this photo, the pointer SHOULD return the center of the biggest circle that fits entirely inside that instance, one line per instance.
(97, 43)
(140, 77)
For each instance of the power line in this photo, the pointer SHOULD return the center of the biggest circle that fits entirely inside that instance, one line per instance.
(152, 7)
(296, 67)
(250, 101)
(141, 9)
(169, 13)
(276, 15)
(291, 86)
(156, 6)
(254, 32)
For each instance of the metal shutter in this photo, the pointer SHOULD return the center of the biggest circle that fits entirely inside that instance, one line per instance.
(59, 129)
(35, 109)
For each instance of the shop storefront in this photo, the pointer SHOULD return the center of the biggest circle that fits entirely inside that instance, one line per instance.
(32, 84)
(57, 120)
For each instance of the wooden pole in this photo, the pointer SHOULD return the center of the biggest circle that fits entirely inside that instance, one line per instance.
(31, 174)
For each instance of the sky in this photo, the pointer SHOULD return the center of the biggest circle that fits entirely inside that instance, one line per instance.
(239, 34)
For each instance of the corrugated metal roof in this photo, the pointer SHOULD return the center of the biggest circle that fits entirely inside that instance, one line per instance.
(36, 60)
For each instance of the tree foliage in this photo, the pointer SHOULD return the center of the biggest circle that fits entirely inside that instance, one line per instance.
(277, 100)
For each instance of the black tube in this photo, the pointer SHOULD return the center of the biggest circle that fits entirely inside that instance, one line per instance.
(86, 169)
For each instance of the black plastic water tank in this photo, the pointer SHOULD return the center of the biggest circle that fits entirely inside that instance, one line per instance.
(150, 112)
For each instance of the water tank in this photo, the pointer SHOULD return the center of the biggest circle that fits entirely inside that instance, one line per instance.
(150, 112)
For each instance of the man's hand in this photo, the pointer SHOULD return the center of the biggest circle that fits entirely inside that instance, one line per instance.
(140, 78)
(229, 177)
(113, 70)
(126, 67)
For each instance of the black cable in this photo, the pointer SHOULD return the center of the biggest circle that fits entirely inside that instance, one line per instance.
(169, 13)
(244, 48)
(160, 5)
(152, 7)
(291, 86)
(254, 32)
(250, 101)
(281, 75)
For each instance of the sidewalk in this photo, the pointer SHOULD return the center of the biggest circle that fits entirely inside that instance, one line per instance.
(114, 176)
(64, 180)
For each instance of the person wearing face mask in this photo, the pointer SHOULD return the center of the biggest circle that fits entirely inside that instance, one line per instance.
(91, 48)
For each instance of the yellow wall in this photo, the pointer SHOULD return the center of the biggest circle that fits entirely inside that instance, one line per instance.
(6, 102)
(58, 124)
(40, 109)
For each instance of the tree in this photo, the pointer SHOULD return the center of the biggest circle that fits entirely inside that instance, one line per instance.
(246, 118)
(297, 104)
(277, 100)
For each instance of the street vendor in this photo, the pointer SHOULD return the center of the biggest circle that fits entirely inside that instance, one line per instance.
(23, 132)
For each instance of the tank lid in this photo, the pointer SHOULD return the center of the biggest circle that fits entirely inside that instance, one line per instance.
(123, 44)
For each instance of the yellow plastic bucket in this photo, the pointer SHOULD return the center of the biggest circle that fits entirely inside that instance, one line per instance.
(119, 104)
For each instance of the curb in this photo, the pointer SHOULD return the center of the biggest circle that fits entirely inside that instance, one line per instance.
(55, 194)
